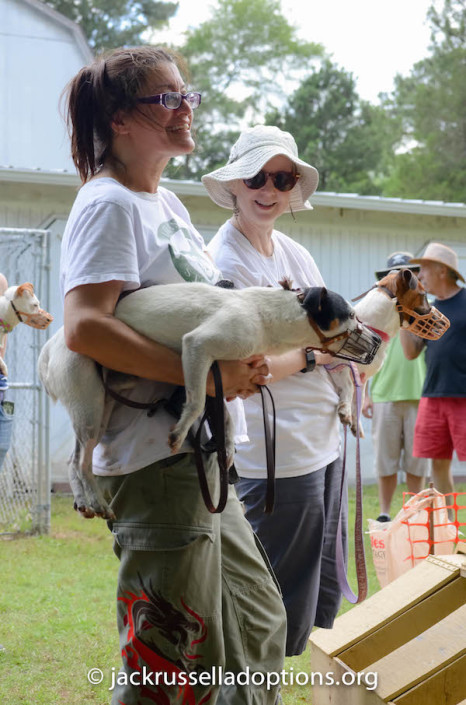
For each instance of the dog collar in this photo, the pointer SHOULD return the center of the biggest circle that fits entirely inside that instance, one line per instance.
(18, 313)
(7, 327)
(380, 333)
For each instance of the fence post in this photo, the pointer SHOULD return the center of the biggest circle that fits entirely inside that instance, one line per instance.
(41, 525)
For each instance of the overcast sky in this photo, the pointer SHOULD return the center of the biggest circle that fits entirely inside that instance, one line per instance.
(374, 39)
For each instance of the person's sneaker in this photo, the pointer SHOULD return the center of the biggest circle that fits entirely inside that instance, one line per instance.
(383, 517)
(3, 383)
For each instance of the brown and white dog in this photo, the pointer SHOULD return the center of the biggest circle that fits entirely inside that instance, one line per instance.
(19, 304)
(397, 300)
(204, 323)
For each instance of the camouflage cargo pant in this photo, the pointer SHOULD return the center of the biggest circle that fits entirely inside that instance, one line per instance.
(200, 616)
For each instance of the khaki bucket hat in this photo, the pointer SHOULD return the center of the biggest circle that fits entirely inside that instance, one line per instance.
(442, 254)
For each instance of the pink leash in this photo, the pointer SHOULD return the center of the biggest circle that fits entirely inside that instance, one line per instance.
(359, 554)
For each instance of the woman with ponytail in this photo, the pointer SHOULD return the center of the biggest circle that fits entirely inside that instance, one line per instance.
(193, 590)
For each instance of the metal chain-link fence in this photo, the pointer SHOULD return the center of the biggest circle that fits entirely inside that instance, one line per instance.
(25, 473)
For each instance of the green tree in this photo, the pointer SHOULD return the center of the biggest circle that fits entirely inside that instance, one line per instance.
(114, 23)
(431, 103)
(242, 60)
(348, 140)
(448, 25)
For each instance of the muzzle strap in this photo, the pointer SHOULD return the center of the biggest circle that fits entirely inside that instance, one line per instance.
(41, 319)
(358, 345)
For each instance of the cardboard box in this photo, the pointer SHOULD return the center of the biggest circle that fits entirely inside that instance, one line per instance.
(412, 634)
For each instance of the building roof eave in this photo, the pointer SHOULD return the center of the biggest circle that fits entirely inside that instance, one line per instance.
(196, 188)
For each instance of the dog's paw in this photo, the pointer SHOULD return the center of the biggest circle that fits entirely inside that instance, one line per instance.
(174, 441)
(345, 415)
(354, 429)
(89, 512)
(84, 510)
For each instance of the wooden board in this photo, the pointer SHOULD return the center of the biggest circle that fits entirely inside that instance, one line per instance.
(387, 604)
(422, 657)
(447, 687)
(406, 626)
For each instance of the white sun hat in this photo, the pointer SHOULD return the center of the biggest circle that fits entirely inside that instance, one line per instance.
(252, 150)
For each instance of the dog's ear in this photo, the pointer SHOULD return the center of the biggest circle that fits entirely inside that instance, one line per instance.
(314, 298)
(391, 281)
(323, 297)
(410, 278)
(405, 279)
(286, 283)
(22, 288)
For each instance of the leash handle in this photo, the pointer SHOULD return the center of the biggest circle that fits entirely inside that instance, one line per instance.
(215, 414)
(359, 554)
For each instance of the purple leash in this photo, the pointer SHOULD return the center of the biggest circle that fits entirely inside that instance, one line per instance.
(359, 554)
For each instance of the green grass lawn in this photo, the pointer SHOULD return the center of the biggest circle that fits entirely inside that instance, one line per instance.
(57, 611)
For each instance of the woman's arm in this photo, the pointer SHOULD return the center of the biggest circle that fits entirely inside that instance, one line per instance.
(91, 329)
(412, 345)
(281, 366)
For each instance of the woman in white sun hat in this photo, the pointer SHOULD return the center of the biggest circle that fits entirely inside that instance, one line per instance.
(263, 179)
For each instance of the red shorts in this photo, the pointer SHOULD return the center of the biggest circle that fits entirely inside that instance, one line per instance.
(440, 428)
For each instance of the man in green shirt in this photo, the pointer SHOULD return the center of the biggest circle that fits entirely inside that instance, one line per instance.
(392, 405)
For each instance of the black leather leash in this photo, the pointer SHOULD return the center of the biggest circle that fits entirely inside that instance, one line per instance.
(270, 448)
(214, 414)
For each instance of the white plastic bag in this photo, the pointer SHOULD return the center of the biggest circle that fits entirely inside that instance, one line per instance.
(400, 544)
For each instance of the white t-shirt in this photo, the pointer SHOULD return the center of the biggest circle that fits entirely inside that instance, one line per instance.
(307, 435)
(140, 239)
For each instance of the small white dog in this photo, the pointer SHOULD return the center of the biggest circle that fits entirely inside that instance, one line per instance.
(204, 323)
(19, 304)
(397, 300)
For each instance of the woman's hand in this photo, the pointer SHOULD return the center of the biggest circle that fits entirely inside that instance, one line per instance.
(241, 378)
(367, 407)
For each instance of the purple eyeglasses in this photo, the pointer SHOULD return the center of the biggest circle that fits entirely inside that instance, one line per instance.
(172, 100)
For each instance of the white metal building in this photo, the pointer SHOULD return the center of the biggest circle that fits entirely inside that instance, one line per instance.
(40, 50)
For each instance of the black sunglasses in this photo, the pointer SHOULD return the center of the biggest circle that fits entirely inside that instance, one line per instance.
(282, 180)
